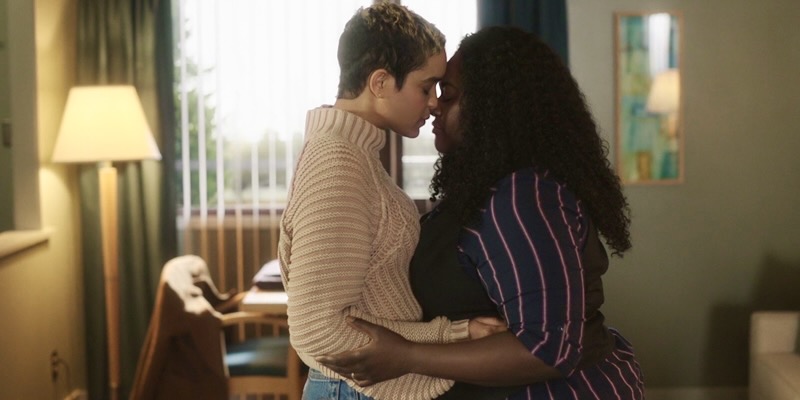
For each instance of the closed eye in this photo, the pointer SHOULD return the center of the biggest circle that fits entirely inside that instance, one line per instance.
(427, 88)
(448, 92)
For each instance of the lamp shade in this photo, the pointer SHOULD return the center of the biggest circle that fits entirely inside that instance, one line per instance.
(665, 92)
(104, 123)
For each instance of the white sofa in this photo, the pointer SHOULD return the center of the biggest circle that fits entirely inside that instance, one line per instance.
(774, 360)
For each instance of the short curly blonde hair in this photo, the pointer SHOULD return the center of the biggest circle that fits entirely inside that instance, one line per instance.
(388, 36)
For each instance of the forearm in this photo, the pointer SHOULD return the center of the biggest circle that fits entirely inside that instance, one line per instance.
(439, 330)
(497, 360)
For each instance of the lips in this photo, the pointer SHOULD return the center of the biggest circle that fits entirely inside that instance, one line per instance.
(437, 129)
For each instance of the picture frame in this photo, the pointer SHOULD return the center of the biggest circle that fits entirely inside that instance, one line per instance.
(649, 107)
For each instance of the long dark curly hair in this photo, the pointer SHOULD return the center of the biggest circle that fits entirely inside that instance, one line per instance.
(521, 107)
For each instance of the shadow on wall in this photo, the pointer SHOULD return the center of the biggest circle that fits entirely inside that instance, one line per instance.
(775, 288)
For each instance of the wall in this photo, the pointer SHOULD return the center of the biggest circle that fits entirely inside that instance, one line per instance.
(41, 288)
(709, 251)
(6, 198)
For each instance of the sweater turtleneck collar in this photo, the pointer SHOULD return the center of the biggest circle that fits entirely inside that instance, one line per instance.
(345, 124)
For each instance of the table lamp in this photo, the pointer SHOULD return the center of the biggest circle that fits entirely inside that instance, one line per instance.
(102, 124)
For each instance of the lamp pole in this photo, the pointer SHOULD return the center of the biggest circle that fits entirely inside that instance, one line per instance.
(107, 176)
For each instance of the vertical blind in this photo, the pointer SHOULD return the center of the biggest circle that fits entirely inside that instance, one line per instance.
(247, 72)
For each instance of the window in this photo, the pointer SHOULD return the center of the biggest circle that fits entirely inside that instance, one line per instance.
(246, 73)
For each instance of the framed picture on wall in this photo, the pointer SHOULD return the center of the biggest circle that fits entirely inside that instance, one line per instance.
(648, 119)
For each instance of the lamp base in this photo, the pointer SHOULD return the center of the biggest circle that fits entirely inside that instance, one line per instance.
(107, 176)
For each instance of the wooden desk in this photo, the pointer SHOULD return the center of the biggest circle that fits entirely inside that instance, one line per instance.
(265, 302)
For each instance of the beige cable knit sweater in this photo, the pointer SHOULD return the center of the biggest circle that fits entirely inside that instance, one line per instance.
(346, 239)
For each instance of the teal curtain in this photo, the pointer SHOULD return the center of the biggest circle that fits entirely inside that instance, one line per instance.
(128, 42)
(546, 18)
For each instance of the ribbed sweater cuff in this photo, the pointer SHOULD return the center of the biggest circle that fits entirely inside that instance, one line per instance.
(459, 330)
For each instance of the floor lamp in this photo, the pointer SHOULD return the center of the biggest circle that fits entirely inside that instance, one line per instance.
(103, 124)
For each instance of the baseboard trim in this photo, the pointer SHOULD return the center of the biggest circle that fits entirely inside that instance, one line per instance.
(697, 393)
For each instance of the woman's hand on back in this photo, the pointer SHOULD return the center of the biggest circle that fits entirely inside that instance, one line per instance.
(480, 327)
(384, 357)
(389, 355)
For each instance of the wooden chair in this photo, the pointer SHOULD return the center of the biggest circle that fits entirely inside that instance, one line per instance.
(263, 365)
(185, 355)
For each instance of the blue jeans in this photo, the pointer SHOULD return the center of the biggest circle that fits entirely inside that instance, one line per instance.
(320, 387)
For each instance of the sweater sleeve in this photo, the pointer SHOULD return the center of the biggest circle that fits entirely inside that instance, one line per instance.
(332, 229)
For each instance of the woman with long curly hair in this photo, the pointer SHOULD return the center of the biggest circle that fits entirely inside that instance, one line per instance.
(526, 194)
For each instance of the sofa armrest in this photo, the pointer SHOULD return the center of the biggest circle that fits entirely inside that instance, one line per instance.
(773, 331)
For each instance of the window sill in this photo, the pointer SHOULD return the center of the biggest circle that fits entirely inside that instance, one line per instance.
(12, 242)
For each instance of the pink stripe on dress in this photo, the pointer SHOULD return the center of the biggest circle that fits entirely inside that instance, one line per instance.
(510, 257)
(560, 255)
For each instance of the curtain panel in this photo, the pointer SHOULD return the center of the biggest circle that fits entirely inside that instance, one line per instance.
(546, 18)
(128, 42)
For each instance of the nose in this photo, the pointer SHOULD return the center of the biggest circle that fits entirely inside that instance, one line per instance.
(433, 106)
(433, 101)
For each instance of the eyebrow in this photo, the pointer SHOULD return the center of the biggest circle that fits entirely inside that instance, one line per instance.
(434, 79)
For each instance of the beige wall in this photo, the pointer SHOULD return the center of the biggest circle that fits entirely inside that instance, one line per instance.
(41, 301)
(6, 213)
(727, 241)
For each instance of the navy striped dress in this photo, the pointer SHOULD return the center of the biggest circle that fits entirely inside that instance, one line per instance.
(538, 256)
